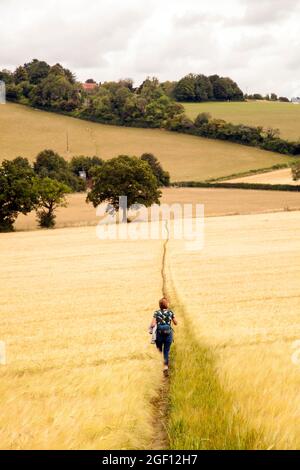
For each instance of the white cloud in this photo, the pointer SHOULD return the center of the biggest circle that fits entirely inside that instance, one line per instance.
(253, 41)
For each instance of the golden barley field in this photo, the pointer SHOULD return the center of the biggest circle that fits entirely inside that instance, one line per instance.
(242, 298)
(26, 131)
(217, 201)
(283, 176)
(81, 372)
(282, 116)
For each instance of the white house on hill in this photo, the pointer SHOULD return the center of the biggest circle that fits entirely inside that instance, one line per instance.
(296, 100)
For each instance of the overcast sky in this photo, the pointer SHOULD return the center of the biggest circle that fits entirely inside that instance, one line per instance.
(256, 42)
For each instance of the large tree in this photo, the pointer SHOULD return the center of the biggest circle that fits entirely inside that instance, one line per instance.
(185, 89)
(17, 194)
(124, 176)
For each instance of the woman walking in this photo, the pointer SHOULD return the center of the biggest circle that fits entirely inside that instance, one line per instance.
(162, 321)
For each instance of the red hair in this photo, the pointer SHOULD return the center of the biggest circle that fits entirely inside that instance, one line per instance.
(163, 303)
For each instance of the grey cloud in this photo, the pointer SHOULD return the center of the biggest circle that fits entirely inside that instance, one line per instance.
(82, 41)
(253, 41)
(191, 19)
(261, 12)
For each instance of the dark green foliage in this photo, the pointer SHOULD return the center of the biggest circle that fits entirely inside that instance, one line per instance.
(7, 76)
(225, 89)
(36, 70)
(201, 88)
(83, 163)
(255, 96)
(17, 194)
(168, 88)
(38, 84)
(124, 176)
(49, 164)
(204, 126)
(50, 195)
(267, 187)
(20, 75)
(180, 123)
(202, 118)
(117, 103)
(13, 92)
(56, 91)
(162, 176)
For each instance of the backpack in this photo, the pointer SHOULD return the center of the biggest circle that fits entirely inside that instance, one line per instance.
(163, 320)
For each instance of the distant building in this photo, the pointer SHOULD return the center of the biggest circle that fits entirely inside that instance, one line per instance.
(296, 100)
(82, 174)
(89, 86)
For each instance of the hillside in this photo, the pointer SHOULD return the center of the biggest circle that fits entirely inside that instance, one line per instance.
(283, 116)
(283, 176)
(25, 131)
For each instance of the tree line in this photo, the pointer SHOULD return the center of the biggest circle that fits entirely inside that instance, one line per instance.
(268, 97)
(44, 185)
(197, 88)
(255, 136)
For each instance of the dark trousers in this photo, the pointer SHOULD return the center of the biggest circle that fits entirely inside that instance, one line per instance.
(163, 343)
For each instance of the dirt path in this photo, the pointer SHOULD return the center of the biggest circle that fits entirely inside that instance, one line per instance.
(161, 403)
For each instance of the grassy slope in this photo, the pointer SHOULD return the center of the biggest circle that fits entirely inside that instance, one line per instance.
(283, 176)
(284, 116)
(25, 131)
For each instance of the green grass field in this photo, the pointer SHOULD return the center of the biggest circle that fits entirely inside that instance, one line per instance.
(283, 116)
(26, 131)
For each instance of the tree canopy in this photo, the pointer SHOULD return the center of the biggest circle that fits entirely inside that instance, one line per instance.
(17, 194)
(196, 88)
(124, 176)
(50, 164)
